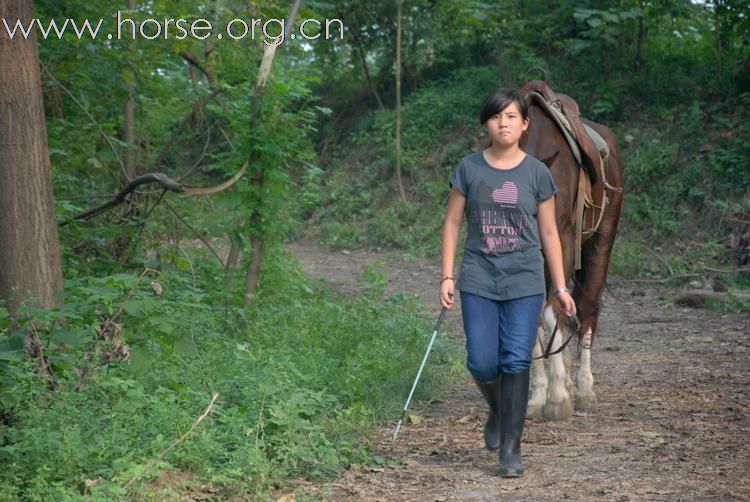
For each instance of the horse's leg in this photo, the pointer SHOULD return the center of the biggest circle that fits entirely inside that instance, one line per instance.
(590, 281)
(559, 405)
(538, 379)
(585, 397)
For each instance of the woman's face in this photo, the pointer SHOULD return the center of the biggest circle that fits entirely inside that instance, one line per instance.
(505, 127)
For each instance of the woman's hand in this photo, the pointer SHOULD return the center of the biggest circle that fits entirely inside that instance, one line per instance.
(451, 229)
(447, 287)
(565, 303)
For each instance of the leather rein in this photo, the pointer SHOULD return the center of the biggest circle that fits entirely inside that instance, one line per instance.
(575, 331)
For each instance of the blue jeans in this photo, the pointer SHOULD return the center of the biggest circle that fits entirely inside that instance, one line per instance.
(500, 335)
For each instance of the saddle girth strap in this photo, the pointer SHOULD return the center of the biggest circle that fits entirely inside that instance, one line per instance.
(580, 203)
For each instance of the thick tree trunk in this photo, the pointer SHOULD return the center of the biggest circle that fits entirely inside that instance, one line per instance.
(30, 263)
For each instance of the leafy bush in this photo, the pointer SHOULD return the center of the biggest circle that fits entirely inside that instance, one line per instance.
(299, 384)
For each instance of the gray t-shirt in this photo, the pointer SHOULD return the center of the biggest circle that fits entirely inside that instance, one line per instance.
(502, 254)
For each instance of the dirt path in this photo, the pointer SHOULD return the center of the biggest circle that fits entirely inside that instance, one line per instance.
(673, 421)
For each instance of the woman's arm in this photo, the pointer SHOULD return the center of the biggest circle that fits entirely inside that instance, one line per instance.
(553, 254)
(451, 229)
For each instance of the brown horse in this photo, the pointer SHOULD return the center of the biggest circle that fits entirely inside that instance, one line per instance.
(552, 397)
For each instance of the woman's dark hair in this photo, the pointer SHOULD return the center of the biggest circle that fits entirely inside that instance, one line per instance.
(498, 100)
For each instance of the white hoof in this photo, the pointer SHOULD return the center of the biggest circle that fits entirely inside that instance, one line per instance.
(535, 409)
(585, 402)
(558, 410)
(585, 397)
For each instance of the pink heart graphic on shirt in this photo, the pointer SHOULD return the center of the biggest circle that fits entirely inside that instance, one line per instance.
(507, 195)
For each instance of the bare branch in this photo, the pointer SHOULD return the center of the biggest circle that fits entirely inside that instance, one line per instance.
(188, 190)
(196, 233)
(165, 181)
(167, 184)
(187, 120)
(200, 157)
(191, 59)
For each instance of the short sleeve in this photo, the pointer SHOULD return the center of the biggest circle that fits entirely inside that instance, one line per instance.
(546, 187)
(458, 179)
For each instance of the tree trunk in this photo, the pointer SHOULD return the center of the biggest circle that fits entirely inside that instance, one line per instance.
(638, 62)
(399, 182)
(253, 269)
(718, 14)
(252, 276)
(257, 245)
(363, 59)
(234, 252)
(230, 267)
(129, 134)
(129, 125)
(30, 263)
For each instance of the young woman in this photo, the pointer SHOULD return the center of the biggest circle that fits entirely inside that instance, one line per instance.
(508, 199)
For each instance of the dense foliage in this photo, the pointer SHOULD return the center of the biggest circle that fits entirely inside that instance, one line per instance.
(300, 379)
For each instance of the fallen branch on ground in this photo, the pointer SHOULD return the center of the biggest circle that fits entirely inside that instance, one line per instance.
(699, 298)
(153, 462)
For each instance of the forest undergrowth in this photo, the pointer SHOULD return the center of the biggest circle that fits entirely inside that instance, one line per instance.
(131, 361)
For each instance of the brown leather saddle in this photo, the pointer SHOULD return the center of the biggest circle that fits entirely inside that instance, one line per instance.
(591, 199)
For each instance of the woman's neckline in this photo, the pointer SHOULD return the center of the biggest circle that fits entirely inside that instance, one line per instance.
(487, 163)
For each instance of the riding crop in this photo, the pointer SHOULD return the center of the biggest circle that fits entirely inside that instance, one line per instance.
(419, 373)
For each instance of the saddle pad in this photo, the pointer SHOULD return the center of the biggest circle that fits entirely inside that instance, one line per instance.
(601, 145)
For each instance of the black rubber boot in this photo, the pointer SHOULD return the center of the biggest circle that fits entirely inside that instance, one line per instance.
(514, 400)
(492, 429)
